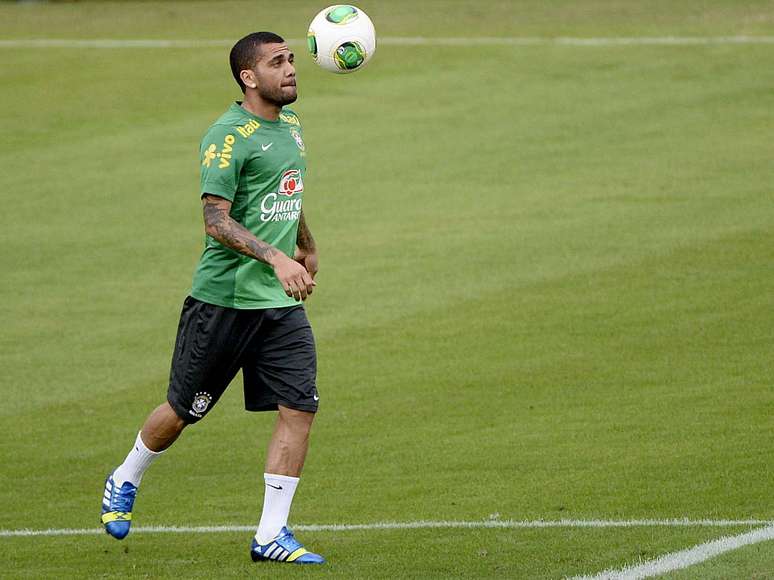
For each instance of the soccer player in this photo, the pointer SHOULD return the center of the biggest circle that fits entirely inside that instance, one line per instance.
(245, 310)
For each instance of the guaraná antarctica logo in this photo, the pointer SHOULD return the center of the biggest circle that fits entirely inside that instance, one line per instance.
(274, 209)
(291, 183)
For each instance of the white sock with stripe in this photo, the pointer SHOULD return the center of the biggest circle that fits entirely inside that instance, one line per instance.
(135, 464)
(278, 495)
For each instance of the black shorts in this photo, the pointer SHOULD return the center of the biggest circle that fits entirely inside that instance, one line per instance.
(274, 347)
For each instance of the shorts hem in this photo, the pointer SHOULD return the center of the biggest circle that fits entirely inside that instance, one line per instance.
(273, 406)
(183, 413)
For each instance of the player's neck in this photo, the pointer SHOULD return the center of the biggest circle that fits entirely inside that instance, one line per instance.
(257, 106)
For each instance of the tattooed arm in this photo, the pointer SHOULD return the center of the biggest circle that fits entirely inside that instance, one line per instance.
(306, 250)
(294, 278)
(221, 226)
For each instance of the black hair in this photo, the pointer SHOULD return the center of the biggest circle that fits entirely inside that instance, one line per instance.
(244, 54)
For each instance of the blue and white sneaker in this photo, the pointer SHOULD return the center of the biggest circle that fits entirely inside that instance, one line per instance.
(284, 548)
(117, 507)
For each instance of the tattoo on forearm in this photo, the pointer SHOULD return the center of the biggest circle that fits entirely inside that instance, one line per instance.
(304, 239)
(221, 226)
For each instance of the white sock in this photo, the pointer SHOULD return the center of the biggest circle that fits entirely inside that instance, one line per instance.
(135, 464)
(278, 495)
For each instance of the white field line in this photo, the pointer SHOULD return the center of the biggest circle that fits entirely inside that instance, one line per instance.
(498, 524)
(401, 41)
(684, 558)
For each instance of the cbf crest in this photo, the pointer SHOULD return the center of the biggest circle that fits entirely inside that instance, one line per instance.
(200, 404)
(297, 138)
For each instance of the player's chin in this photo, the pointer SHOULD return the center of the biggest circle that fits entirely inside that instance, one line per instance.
(289, 94)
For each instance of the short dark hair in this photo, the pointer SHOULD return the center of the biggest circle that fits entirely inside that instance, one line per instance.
(244, 54)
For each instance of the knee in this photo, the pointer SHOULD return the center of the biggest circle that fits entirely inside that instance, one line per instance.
(297, 420)
(164, 422)
(162, 428)
(171, 418)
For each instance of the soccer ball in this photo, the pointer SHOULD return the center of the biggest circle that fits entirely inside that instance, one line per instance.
(341, 38)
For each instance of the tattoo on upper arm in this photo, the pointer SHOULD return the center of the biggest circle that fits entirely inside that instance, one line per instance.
(221, 226)
(304, 239)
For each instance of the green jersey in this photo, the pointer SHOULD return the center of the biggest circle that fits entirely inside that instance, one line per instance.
(259, 166)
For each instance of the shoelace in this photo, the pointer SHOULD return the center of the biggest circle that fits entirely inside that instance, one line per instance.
(289, 542)
(123, 498)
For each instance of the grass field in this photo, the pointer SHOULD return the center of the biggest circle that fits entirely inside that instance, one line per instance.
(546, 289)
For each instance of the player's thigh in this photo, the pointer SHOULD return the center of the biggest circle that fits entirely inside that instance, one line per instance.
(280, 367)
(209, 344)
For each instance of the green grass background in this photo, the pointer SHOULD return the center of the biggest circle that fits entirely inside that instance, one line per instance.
(545, 289)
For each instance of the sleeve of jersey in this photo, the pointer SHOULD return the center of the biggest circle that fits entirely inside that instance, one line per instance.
(222, 159)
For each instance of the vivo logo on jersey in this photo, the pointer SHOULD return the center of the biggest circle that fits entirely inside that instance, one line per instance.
(291, 183)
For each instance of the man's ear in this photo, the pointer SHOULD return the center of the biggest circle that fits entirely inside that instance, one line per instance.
(248, 78)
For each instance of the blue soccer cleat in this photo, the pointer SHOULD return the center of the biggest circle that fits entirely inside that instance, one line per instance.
(117, 508)
(284, 548)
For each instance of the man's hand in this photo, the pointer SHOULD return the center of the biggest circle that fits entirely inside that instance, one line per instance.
(308, 260)
(306, 249)
(294, 277)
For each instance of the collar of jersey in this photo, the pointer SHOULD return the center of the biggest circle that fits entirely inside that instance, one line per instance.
(237, 106)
